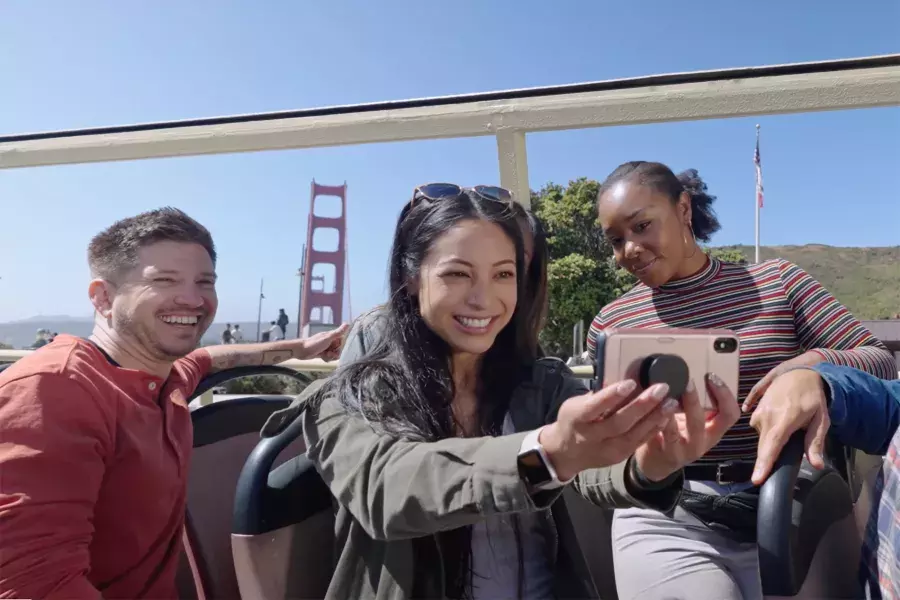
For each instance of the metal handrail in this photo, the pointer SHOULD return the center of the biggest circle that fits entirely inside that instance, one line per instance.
(306, 366)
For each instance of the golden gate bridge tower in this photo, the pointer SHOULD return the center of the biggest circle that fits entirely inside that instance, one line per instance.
(324, 260)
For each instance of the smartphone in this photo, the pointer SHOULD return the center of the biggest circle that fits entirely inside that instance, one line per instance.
(671, 355)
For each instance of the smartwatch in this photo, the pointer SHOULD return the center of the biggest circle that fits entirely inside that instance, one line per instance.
(535, 468)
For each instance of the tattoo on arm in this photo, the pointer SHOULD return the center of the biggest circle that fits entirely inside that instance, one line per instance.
(246, 356)
(273, 357)
(225, 360)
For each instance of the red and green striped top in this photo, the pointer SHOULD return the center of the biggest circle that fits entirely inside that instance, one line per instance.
(777, 310)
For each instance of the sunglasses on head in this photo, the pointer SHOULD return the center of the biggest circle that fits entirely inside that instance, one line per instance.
(440, 191)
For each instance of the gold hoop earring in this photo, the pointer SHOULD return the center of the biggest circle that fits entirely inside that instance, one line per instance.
(693, 239)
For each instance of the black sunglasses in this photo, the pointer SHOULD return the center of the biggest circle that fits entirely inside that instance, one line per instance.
(440, 191)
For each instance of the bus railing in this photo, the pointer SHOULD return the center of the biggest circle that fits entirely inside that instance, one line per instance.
(304, 366)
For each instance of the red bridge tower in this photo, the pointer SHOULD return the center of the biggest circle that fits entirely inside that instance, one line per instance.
(322, 305)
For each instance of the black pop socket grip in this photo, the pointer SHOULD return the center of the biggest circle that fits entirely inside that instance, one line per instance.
(665, 368)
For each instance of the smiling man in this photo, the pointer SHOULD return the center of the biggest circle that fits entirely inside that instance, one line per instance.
(95, 434)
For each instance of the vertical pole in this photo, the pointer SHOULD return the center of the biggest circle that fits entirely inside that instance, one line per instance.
(301, 272)
(578, 340)
(757, 229)
(757, 190)
(259, 312)
(513, 159)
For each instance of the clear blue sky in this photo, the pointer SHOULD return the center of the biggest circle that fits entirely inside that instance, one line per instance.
(830, 177)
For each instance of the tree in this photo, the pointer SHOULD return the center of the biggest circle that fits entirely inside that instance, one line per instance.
(570, 217)
(267, 385)
(581, 275)
(578, 286)
(726, 254)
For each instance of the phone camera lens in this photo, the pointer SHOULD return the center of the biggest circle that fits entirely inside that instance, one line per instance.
(725, 345)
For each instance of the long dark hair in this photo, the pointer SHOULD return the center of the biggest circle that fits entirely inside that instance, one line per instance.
(404, 385)
(660, 178)
(535, 276)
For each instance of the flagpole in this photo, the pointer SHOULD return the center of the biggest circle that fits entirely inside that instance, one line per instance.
(756, 195)
(259, 311)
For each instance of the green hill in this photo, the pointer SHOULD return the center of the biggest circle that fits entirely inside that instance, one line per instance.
(865, 280)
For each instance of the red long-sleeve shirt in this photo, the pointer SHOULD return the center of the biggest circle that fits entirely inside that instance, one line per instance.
(93, 474)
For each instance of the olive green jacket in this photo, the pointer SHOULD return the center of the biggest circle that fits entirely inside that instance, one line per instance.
(390, 490)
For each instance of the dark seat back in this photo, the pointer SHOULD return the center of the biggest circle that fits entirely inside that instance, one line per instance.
(807, 534)
(224, 435)
(283, 528)
(593, 528)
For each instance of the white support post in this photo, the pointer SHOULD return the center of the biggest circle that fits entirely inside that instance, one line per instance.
(514, 164)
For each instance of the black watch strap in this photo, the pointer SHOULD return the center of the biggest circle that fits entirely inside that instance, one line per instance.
(534, 465)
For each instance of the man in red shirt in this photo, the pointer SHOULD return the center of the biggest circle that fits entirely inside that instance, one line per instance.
(95, 435)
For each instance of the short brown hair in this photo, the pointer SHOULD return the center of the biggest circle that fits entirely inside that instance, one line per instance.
(114, 250)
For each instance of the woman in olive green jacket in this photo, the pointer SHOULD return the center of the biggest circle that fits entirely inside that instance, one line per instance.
(448, 444)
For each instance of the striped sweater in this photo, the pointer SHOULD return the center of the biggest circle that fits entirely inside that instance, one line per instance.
(777, 310)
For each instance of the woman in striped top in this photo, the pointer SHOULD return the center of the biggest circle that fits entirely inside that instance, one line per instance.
(653, 219)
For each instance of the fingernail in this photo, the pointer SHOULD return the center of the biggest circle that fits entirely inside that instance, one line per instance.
(690, 386)
(626, 387)
(659, 391)
(670, 405)
(714, 379)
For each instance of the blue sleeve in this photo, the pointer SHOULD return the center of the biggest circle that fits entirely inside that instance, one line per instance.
(865, 410)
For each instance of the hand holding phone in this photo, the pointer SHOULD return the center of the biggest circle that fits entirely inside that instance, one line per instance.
(689, 436)
(672, 356)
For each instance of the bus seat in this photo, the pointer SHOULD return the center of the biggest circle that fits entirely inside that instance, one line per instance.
(806, 527)
(283, 529)
(809, 529)
(593, 528)
(283, 532)
(225, 433)
(868, 469)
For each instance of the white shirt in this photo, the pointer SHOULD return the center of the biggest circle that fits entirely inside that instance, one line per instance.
(495, 561)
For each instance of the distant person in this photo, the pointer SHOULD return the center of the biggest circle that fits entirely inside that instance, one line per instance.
(283, 322)
(275, 331)
(41, 339)
(237, 336)
(227, 338)
(654, 222)
(97, 432)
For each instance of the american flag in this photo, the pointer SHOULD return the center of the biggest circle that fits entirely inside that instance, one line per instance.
(758, 163)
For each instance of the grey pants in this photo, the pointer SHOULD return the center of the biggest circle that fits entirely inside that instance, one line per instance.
(658, 558)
